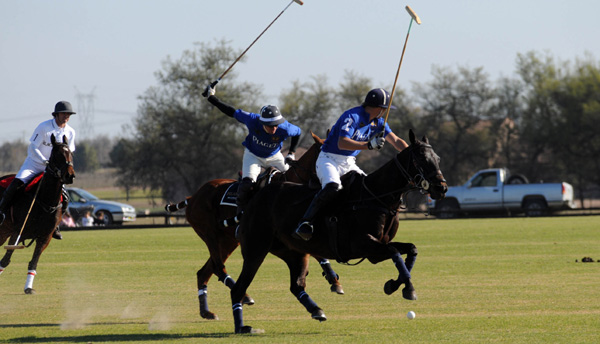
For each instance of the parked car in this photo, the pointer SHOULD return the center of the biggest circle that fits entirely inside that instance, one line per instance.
(111, 212)
(495, 190)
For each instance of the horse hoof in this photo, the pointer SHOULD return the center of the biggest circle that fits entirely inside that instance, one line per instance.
(247, 300)
(29, 291)
(409, 293)
(249, 329)
(390, 287)
(318, 314)
(209, 315)
(337, 288)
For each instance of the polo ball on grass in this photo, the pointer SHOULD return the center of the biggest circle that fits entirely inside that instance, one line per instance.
(411, 315)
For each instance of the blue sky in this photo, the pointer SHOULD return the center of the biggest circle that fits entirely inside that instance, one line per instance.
(54, 50)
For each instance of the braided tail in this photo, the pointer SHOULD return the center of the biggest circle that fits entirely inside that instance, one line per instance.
(173, 207)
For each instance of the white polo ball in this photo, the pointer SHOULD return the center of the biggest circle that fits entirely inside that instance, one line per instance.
(411, 315)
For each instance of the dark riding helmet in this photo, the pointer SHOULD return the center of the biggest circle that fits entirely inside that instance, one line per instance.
(377, 97)
(270, 116)
(63, 106)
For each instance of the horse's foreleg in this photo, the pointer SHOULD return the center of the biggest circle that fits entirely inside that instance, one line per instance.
(331, 276)
(403, 278)
(238, 291)
(5, 260)
(40, 246)
(298, 266)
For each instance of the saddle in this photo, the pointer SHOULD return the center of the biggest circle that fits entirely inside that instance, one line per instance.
(230, 195)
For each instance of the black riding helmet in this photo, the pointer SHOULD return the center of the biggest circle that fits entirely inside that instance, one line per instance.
(63, 106)
(270, 116)
(377, 97)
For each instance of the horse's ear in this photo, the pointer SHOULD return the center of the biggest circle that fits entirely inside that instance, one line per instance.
(65, 141)
(411, 136)
(316, 138)
(52, 139)
(425, 139)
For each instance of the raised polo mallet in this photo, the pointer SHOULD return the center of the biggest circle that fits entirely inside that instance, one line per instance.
(413, 17)
(214, 83)
(16, 246)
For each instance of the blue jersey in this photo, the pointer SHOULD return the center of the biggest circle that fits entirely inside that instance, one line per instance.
(258, 141)
(353, 124)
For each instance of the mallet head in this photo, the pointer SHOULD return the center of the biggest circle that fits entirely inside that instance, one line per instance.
(412, 14)
(299, 2)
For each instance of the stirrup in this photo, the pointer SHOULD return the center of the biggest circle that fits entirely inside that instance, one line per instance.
(304, 231)
(56, 234)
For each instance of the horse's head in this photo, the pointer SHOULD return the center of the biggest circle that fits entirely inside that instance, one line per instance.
(426, 167)
(60, 164)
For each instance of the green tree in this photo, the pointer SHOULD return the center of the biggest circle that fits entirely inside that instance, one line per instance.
(12, 155)
(458, 108)
(85, 157)
(180, 140)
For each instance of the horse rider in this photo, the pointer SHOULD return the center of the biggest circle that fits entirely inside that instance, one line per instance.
(359, 128)
(38, 153)
(266, 133)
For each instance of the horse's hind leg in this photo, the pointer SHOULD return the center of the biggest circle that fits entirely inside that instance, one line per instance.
(5, 260)
(202, 276)
(331, 276)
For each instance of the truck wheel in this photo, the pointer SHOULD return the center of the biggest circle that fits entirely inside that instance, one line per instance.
(447, 209)
(517, 179)
(535, 207)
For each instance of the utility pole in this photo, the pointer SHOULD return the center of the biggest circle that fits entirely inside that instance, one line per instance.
(85, 112)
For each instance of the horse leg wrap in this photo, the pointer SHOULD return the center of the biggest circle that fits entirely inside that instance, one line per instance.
(228, 281)
(30, 276)
(411, 257)
(306, 301)
(238, 317)
(2, 269)
(401, 266)
(203, 298)
(328, 272)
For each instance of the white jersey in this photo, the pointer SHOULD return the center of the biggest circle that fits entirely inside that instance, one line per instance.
(40, 148)
(40, 140)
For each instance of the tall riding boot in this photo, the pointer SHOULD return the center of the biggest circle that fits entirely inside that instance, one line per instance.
(244, 195)
(304, 230)
(9, 193)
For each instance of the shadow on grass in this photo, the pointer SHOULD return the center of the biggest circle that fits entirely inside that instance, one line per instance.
(119, 338)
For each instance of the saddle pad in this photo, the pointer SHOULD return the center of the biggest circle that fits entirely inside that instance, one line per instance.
(230, 195)
(4, 183)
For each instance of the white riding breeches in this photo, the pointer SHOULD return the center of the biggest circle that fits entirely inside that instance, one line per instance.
(30, 169)
(331, 167)
(251, 164)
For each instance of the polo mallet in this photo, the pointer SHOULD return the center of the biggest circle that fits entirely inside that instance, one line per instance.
(16, 246)
(413, 17)
(214, 83)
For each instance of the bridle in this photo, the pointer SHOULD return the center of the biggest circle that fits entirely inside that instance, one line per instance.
(419, 181)
(57, 172)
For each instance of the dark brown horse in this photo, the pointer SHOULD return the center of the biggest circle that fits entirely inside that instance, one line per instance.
(207, 213)
(45, 214)
(360, 224)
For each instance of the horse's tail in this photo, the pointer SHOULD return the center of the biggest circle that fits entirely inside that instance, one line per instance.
(173, 207)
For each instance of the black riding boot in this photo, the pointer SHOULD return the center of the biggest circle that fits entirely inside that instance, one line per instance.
(304, 230)
(244, 195)
(6, 200)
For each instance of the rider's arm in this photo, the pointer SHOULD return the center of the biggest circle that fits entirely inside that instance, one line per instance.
(34, 150)
(347, 143)
(397, 142)
(294, 143)
(225, 108)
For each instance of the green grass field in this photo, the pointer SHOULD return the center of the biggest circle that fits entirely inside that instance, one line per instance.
(512, 280)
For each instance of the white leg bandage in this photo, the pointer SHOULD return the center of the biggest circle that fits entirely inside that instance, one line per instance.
(30, 277)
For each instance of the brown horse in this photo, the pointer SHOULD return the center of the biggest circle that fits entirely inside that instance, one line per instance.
(360, 223)
(45, 213)
(211, 219)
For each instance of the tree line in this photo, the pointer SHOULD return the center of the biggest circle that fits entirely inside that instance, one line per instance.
(543, 122)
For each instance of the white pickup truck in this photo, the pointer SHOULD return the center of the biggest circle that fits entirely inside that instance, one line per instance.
(495, 190)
